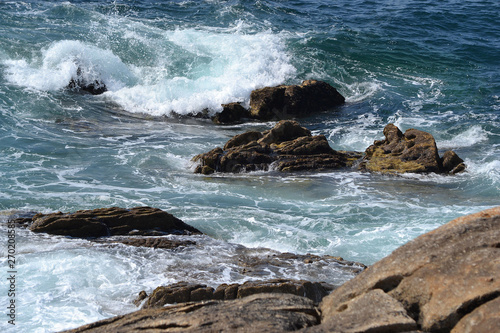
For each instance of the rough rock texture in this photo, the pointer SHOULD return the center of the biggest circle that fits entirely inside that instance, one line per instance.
(186, 292)
(231, 113)
(112, 221)
(286, 147)
(414, 151)
(257, 313)
(448, 276)
(447, 280)
(285, 102)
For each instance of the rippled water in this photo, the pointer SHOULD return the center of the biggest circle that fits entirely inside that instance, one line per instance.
(426, 65)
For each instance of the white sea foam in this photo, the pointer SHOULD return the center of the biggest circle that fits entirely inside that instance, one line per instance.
(225, 67)
(61, 61)
(470, 137)
(213, 67)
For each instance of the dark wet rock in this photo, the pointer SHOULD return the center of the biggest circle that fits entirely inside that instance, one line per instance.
(145, 221)
(286, 147)
(452, 163)
(443, 280)
(79, 83)
(156, 242)
(414, 151)
(286, 102)
(257, 313)
(231, 113)
(140, 298)
(191, 292)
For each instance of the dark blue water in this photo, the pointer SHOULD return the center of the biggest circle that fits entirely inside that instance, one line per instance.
(430, 65)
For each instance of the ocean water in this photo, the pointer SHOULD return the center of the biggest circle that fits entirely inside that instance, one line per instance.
(430, 65)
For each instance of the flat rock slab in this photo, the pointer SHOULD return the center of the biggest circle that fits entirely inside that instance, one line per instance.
(145, 221)
(258, 313)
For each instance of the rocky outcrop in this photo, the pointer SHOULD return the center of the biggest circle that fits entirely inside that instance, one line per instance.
(80, 83)
(414, 151)
(231, 113)
(444, 281)
(190, 292)
(258, 313)
(286, 102)
(145, 221)
(286, 147)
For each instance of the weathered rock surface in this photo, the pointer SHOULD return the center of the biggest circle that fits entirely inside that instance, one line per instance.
(190, 292)
(287, 147)
(231, 113)
(445, 277)
(145, 221)
(445, 280)
(286, 102)
(257, 313)
(414, 151)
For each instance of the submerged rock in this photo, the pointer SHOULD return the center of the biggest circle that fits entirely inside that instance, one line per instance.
(414, 151)
(112, 221)
(285, 102)
(286, 147)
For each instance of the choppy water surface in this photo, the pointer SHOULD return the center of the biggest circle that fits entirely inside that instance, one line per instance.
(426, 65)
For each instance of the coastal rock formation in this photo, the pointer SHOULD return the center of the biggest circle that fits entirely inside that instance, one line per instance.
(442, 280)
(414, 151)
(190, 292)
(231, 113)
(286, 147)
(256, 313)
(446, 280)
(145, 221)
(285, 102)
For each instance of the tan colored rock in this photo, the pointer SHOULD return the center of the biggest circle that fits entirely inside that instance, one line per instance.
(258, 313)
(484, 319)
(286, 102)
(374, 311)
(438, 277)
(414, 151)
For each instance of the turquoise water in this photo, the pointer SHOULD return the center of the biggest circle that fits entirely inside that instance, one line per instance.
(419, 64)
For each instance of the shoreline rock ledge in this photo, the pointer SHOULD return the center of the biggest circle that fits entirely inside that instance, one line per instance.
(447, 280)
(113, 221)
